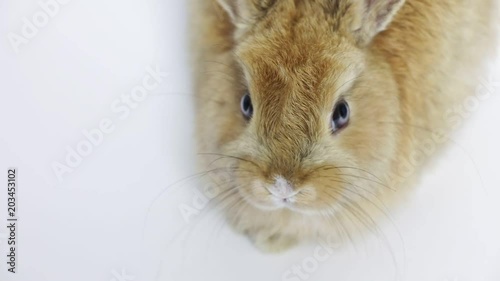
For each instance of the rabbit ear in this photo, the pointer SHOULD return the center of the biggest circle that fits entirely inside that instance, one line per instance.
(373, 16)
(244, 10)
(231, 7)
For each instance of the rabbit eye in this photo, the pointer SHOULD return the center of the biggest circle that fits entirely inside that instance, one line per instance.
(246, 106)
(341, 115)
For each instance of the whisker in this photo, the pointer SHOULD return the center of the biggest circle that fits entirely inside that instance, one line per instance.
(232, 157)
(363, 178)
(332, 167)
(200, 218)
(366, 219)
(223, 218)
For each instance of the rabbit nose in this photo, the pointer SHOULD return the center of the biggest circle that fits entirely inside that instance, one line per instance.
(282, 188)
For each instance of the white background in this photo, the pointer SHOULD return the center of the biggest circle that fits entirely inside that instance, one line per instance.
(117, 216)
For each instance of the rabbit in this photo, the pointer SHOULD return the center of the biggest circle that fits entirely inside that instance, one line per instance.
(308, 110)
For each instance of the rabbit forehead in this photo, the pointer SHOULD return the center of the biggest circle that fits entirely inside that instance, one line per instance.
(296, 52)
(298, 72)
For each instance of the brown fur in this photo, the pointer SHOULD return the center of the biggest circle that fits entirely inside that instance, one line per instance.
(297, 58)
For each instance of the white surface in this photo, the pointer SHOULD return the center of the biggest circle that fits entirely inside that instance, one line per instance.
(109, 216)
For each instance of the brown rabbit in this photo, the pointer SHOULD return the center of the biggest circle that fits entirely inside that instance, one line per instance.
(309, 108)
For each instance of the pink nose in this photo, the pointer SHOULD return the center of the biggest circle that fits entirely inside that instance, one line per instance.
(282, 188)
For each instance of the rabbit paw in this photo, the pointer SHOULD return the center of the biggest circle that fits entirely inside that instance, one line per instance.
(271, 242)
